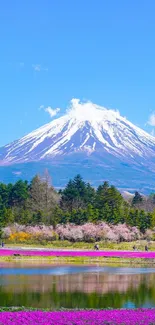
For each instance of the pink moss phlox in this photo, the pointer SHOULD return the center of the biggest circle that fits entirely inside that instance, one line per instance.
(80, 253)
(93, 317)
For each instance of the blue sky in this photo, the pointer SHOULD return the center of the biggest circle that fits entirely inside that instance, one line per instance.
(54, 50)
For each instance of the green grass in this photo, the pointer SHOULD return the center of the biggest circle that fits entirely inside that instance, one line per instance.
(83, 245)
(116, 261)
(11, 309)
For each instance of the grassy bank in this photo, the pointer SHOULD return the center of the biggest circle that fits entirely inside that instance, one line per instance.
(116, 261)
(64, 244)
(15, 309)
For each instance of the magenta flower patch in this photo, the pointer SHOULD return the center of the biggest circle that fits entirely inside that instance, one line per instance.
(121, 254)
(102, 317)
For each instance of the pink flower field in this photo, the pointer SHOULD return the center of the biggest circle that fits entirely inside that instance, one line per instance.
(93, 317)
(80, 253)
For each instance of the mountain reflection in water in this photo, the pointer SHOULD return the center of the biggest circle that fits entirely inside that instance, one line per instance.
(57, 286)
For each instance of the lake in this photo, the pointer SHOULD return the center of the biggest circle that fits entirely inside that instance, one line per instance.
(76, 286)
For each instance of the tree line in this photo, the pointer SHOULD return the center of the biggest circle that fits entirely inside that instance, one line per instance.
(38, 202)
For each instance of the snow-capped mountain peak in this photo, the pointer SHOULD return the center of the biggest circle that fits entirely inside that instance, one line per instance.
(85, 128)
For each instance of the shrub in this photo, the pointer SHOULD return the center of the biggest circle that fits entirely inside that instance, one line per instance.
(19, 237)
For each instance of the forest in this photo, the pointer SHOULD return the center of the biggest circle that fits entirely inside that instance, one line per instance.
(38, 202)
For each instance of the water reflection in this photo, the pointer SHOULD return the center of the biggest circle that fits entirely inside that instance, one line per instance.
(76, 286)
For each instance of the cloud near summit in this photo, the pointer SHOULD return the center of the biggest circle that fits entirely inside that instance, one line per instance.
(151, 120)
(51, 111)
(81, 110)
(87, 108)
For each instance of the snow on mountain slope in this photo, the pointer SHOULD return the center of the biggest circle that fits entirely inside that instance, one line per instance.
(85, 128)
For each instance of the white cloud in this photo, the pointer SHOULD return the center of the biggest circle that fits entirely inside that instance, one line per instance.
(52, 112)
(151, 120)
(41, 107)
(38, 68)
(88, 110)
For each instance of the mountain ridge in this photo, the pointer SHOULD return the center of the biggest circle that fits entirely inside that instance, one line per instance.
(85, 127)
(87, 134)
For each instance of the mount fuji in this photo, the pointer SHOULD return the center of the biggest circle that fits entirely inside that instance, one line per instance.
(89, 139)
